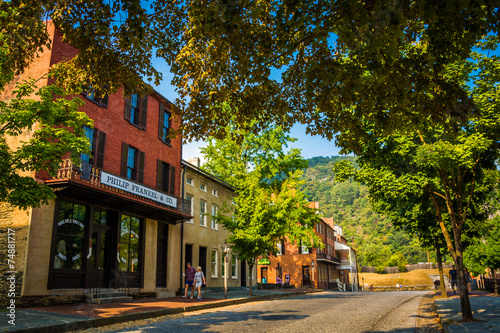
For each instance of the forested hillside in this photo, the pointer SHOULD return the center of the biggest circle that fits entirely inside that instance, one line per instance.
(377, 242)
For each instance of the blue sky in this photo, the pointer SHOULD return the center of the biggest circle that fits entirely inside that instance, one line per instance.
(311, 146)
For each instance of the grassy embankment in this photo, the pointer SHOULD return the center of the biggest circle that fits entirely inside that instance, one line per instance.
(417, 277)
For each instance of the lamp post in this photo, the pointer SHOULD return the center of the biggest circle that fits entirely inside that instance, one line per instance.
(225, 249)
(312, 267)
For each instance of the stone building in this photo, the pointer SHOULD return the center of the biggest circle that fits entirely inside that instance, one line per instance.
(202, 238)
(113, 223)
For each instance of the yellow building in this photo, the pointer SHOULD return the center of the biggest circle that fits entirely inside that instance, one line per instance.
(202, 238)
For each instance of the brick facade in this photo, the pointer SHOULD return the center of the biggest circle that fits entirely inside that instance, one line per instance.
(153, 259)
(319, 267)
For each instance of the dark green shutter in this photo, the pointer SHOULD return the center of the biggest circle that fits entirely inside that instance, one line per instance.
(104, 101)
(159, 175)
(144, 111)
(124, 159)
(93, 148)
(127, 109)
(160, 122)
(99, 153)
(140, 168)
(172, 179)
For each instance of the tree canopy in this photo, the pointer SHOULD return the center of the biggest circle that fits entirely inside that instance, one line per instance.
(331, 65)
(374, 235)
(452, 170)
(38, 126)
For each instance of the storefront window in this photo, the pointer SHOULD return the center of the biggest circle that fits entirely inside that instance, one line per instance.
(69, 238)
(129, 244)
(100, 217)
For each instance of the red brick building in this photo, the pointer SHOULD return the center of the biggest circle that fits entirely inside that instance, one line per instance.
(111, 225)
(305, 267)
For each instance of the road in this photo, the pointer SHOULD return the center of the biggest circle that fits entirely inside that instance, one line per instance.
(320, 312)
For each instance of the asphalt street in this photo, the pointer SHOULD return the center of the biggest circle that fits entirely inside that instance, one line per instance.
(320, 312)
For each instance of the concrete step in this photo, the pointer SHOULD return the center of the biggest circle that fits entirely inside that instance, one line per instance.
(113, 299)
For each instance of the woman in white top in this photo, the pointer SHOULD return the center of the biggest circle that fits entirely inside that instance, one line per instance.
(199, 279)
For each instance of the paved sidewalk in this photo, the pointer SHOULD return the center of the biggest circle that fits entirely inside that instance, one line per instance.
(64, 318)
(485, 308)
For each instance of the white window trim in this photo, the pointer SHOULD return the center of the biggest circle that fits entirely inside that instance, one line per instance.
(192, 208)
(203, 218)
(236, 268)
(215, 192)
(192, 181)
(215, 271)
(205, 187)
(214, 226)
(305, 249)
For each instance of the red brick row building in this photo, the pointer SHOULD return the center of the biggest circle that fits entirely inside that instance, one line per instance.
(114, 218)
(331, 267)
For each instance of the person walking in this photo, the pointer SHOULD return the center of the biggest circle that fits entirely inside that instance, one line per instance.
(190, 272)
(199, 278)
(453, 279)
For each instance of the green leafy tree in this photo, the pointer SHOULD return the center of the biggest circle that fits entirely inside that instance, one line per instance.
(341, 63)
(38, 126)
(268, 206)
(448, 167)
(349, 205)
(484, 252)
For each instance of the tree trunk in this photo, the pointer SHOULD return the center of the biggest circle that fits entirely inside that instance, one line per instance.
(495, 282)
(462, 283)
(441, 275)
(250, 280)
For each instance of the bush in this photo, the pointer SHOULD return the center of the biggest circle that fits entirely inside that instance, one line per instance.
(380, 269)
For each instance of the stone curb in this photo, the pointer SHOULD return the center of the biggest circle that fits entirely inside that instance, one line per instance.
(97, 322)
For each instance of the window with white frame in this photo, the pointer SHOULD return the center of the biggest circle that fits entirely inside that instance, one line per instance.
(190, 198)
(303, 249)
(203, 213)
(215, 209)
(281, 247)
(189, 181)
(214, 263)
(234, 267)
(215, 192)
(203, 187)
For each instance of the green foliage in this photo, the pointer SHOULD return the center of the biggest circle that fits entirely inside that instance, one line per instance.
(51, 120)
(373, 235)
(341, 63)
(268, 205)
(437, 168)
(484, 252)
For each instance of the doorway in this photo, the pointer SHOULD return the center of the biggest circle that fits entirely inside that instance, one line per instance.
(243, 275)
(99, 255)
(202, 259)
(189, 255)
(161, 256)
(263, 274)
(306, 278)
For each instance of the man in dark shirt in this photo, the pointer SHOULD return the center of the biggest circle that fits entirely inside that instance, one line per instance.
(453, 278)
(190, 272)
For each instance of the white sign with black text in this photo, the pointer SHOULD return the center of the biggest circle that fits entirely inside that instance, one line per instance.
(131, 187)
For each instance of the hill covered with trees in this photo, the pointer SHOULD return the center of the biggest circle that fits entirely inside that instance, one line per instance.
(376, 241)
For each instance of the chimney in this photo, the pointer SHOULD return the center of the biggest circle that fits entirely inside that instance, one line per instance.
(194, 161)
